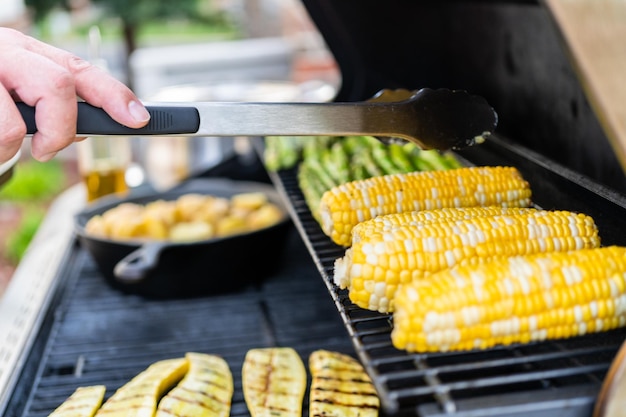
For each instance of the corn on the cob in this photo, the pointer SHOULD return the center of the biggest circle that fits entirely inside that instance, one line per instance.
(340, 387)
(344, 206)
(139, 396)
(416, 218)
(206, 389)
(514, 300)
(84, 402)
(274, 381)
(382, 260)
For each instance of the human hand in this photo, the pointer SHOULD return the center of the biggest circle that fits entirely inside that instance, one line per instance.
(50, 79)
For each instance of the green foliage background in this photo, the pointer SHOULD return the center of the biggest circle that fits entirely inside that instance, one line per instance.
(32, 186)
(139, 12)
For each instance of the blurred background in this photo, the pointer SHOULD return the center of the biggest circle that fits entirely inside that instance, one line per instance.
(187, 50)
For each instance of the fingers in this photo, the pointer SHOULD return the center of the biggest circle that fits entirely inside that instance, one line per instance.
(40, 82)
(108, 93)
(50, 79)
(97, 87)
(12, 129)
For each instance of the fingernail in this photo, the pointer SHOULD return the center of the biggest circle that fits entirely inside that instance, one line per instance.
(138, 111)
(47, 157)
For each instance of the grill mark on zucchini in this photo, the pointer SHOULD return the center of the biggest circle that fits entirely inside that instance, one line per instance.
(201, 403)
(336, 391)
(204, 394)
(331, 402)
(333, 378)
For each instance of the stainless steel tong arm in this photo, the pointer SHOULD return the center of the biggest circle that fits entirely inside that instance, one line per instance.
(301, 119)
(433, 119)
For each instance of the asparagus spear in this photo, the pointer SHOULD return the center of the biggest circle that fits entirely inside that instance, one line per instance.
(282, 152)
(400, 158)
(341, 162)
(382, 159)
(328, 164)
(271, 153)
(451, 160)
(369, 165)
(317, 169)
(415, 155)
(433, 158)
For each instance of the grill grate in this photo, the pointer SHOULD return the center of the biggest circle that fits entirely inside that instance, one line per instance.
(97, 335)
(533, 379)
(93, 334)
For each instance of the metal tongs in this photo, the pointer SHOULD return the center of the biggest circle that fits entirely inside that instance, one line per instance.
(433, 119)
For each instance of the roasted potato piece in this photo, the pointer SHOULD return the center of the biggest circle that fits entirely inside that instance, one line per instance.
(248, 201)
(127, 228)
(191, 231)
(123, 221)
(188, 205)
(264, 216)
(214, 209)
(162, 210)
(96, 226)
(154, 227)
(231, 225)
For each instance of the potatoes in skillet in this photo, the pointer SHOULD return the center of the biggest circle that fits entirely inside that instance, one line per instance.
(191, 217)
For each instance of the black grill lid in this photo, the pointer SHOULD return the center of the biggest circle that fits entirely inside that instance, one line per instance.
(509, 51)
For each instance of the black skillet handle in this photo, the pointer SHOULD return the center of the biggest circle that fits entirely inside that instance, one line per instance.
(93, 121)
(137, 265)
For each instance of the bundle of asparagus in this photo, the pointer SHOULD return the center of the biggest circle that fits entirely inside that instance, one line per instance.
(324, 162)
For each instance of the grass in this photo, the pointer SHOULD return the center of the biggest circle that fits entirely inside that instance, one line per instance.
(183, 32)
(18, 241)
(34, 182)
(31, 188)
(153, 32)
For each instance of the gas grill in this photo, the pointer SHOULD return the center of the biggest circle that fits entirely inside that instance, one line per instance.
(510, 52)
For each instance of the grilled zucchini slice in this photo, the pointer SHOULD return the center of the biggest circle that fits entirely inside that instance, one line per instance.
(340, 387)
(206, 390)
(139, 396)
(274, 382)
(84, 402)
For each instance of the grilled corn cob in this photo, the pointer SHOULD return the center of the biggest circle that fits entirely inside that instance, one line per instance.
(206, 389)
(417, 218)
(383, 259)
(84, 402)
(519, 299)
(139, 396)
(274, 381)
(340, 387)
(344, 206)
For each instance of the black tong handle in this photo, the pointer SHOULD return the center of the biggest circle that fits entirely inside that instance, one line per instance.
(92, 121)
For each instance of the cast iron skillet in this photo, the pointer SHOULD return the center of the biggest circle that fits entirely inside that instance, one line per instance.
(168, 270)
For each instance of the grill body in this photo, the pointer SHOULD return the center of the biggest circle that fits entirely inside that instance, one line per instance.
(508, 51)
